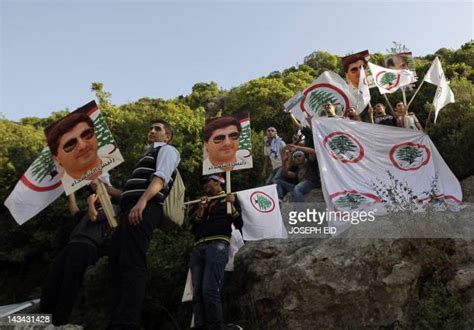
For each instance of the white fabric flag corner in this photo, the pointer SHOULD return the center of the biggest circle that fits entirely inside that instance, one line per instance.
(444, 95)
(435, 74)
(37, 188)
(389, 80)
(261, 214)
(364, 93)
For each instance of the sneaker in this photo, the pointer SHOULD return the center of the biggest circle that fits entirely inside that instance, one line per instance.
(233, 326)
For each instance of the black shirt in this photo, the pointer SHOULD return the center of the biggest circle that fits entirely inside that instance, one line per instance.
(87, 231)
(216, 221)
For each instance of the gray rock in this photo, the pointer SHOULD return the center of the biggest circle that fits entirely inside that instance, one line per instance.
(374, 275)
(467, 186)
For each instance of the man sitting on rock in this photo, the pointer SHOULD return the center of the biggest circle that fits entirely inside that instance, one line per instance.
(306, 172)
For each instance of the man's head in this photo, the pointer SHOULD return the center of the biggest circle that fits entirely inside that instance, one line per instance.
(352, 64)
(212, 184)
(379, 110)
(351, 112)
(271, 132)
(330, 109)
(221, 139)
(73, 144)
(160, 131)
(298, 157)
(400, 108)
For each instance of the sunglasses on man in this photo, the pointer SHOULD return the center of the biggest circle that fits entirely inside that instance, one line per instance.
(70, 144)
(220, 138)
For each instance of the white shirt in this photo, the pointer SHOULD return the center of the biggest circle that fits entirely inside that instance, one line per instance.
(167, 161)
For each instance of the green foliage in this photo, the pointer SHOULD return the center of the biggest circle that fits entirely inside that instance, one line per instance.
(27, 251)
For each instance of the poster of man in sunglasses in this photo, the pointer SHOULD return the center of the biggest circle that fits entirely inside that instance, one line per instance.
(82, 147)
(352, 64)
(227, 144)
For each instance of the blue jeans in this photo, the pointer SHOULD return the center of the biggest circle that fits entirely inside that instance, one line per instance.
(273, 176)
(208, 261)
(299, 190)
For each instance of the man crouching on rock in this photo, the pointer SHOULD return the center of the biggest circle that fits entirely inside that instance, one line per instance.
(212, 232)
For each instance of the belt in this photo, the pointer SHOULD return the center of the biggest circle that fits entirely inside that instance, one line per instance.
(211, 239)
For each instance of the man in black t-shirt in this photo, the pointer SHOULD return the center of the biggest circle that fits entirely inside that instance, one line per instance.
(212, 231)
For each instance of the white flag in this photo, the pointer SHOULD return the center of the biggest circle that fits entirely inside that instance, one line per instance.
(444, 95)
(364, 93)
(370, 167)
(261, 213)
(37, 188)
(236, 242)
(435, 74)
(328, 87)
(389, 80)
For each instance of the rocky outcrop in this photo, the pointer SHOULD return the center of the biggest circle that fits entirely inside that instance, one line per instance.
(467, 186)
(373, 275)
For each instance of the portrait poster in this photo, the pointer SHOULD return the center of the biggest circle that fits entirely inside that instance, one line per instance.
(82, 147)
(227, 144)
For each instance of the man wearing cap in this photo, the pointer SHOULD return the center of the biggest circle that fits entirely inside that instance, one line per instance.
(306, 173)
(212, 231)
(141, 212)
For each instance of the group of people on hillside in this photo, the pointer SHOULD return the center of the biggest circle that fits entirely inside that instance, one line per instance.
(294, 167)
(140, 212)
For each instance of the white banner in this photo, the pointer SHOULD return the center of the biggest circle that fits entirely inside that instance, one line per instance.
(261, 213)
(366, 167)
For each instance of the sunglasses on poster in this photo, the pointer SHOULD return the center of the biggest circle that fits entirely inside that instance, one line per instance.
(356, 69)
(220, 138)
(87, 134)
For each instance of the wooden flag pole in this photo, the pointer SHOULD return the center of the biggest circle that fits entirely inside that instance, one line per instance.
(404, 96)
(428, 120)
(198, 200)
(227, 190)
(413, 97)
(104, 200)
(389, 105)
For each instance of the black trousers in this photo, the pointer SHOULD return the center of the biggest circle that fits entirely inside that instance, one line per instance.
(65, 280)
(127, 266)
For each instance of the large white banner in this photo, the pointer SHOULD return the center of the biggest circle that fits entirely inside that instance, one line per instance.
(376, 167)
(261, 213)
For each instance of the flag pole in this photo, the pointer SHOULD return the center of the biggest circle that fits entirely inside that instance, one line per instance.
(404, 96)
(198, 200)
(104, 200)
(227, 190)
(416, 92)
(389, 104)
(428, 120)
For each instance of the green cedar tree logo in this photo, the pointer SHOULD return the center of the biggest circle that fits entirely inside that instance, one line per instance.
(388, 79)
(43, 166)
(262, 202)
(318, 99)
(103, 134)
(350, 201)
(409, 156)
(245, 141)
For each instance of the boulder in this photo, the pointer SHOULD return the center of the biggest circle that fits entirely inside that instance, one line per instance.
(402, 270)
